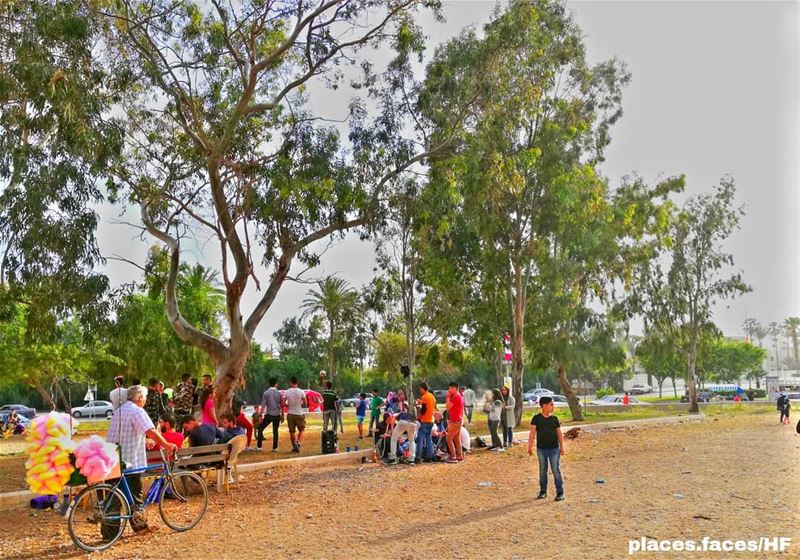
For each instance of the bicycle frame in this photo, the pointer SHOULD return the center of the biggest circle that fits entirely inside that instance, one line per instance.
(153, 492)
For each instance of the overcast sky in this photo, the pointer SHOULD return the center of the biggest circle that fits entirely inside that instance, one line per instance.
(714, 92)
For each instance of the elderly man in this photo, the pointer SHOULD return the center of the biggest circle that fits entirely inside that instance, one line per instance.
(130, 427)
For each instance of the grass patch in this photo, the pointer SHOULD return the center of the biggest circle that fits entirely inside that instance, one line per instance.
(666, 398)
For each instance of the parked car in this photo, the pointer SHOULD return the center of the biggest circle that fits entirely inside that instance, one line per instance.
(94, 409)
(314, 401)
(793, 397)
(702, 396)
(640, 389)
(21, 409)
(534, 394)
(616, 400)
(559, 400)
(440, 395)
(353, 401)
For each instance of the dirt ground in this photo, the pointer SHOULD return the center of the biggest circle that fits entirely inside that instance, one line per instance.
(730, 477)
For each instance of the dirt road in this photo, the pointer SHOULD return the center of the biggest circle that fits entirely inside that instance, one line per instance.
(731, 477)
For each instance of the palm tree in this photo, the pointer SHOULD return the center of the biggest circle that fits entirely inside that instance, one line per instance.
(775, 331)
(339, 304)
(791, 325)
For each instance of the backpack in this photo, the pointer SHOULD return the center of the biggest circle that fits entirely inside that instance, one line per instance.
(487, 407)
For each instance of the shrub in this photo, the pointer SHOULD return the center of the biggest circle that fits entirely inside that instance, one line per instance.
(603, 391)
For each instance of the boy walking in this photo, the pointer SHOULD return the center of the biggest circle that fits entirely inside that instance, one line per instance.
(546, 430)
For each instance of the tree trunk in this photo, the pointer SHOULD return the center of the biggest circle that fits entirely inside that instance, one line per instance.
(230, 373)
(566, 388)
(517, 355)
(660, 383)
(674, 387)
(690, 376)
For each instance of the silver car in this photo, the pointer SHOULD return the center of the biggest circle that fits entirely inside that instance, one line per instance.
(94, 409)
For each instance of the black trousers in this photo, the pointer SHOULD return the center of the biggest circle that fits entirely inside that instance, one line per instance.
(268, 419)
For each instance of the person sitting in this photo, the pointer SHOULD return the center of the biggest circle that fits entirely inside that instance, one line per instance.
(229, 428)
(169, 433)
(465, 442)
(383, 434)
(200, 434)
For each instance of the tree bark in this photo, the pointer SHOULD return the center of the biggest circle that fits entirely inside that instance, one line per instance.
(566, 388)
(691, 382)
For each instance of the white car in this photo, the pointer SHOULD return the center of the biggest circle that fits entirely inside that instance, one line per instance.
(534, 394)
(94, 409)
(616, 400)
(559, 401)
(640, 389)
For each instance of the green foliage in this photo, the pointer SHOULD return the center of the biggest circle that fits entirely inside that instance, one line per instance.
(516, 221)
(70, 354)
(730, 360)
(141, 334)
(340, 308)
(677, 300)
(56, 141)
(661, 359)
(603, 391)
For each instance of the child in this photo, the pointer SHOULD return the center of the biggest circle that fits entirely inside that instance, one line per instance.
(546, 430)
(361, 412)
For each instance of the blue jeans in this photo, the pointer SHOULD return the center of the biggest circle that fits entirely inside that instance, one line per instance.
(553, 456)
(425, 440)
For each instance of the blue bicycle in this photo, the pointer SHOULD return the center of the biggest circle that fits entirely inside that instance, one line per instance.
(100, 512)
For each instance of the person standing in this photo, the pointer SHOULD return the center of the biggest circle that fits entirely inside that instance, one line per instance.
(154, 406)
(626, 399)
(182, 396)
(208, 406)
(130, 427)
(495, 412)
(469, 402)
(427, 404)
(119, 394)
(361, 412)
(273, 414)
(509, 417)
(546, 430)
(295, 400)
(329, 398)
(454, 403)
(374, 411)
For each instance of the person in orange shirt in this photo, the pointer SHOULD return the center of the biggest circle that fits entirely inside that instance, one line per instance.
(426, 404)
(626, 400)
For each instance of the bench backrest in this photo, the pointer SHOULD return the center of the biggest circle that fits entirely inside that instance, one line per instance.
(201, 455)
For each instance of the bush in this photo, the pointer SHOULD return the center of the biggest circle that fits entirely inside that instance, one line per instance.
(755, 393)
(603, 391)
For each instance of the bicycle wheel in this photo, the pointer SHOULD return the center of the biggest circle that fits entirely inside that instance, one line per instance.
(183, 501)
(98, 517)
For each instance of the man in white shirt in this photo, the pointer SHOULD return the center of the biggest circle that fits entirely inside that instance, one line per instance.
(469, 402)
(130, 427)
(294, 399)
(119, 394)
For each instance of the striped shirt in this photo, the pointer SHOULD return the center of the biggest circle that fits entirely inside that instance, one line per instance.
(128, 427)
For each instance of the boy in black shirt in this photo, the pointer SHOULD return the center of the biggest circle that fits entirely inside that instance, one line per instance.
(546, 430)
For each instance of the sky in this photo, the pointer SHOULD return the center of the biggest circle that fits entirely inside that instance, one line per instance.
(714, 92)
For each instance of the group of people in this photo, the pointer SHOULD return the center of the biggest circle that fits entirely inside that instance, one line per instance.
(11, 424)
(190, 412)
(404, 430)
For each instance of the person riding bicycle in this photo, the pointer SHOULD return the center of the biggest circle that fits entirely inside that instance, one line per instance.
(130, 428)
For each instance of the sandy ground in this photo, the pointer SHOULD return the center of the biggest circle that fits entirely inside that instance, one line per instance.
(731, 477)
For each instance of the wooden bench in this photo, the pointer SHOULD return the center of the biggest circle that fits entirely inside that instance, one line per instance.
(204, 458)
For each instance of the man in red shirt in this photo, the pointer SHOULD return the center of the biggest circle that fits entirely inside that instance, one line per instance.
(455, 413)
(626, 400)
